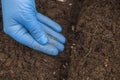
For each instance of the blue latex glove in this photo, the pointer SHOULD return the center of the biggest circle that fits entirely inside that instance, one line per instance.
(23, 23)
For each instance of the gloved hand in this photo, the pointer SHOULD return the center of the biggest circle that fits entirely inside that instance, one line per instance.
(23, 23)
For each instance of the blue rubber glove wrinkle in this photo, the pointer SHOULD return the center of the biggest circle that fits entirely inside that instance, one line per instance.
(23, 23)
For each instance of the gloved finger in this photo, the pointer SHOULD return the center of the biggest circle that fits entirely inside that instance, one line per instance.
(59, 37)
(35, 29)
(21, 35)
(57, 44)
(48, 48)
(45, 20)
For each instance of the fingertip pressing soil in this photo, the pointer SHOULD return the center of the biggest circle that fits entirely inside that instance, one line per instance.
(92, 29)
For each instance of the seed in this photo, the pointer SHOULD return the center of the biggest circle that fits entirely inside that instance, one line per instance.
(73, 28)
(74, 44)
(71, 47)
(61, 0)
(70, 4)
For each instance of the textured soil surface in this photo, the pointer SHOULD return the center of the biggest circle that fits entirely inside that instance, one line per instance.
(92, 28)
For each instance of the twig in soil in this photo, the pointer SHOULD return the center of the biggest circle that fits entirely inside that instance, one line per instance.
(83, 61)
(88, 53)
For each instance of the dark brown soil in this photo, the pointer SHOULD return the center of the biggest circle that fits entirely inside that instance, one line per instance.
(96, 54)
(92, 28)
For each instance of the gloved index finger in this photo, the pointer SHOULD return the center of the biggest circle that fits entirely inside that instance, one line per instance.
(59, 37)
(49, 22)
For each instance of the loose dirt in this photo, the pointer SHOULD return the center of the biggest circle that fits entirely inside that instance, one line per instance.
(92, 28)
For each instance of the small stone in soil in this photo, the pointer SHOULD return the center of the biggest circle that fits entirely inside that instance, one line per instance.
(54, 73)
(71, 47)
(74, 44)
